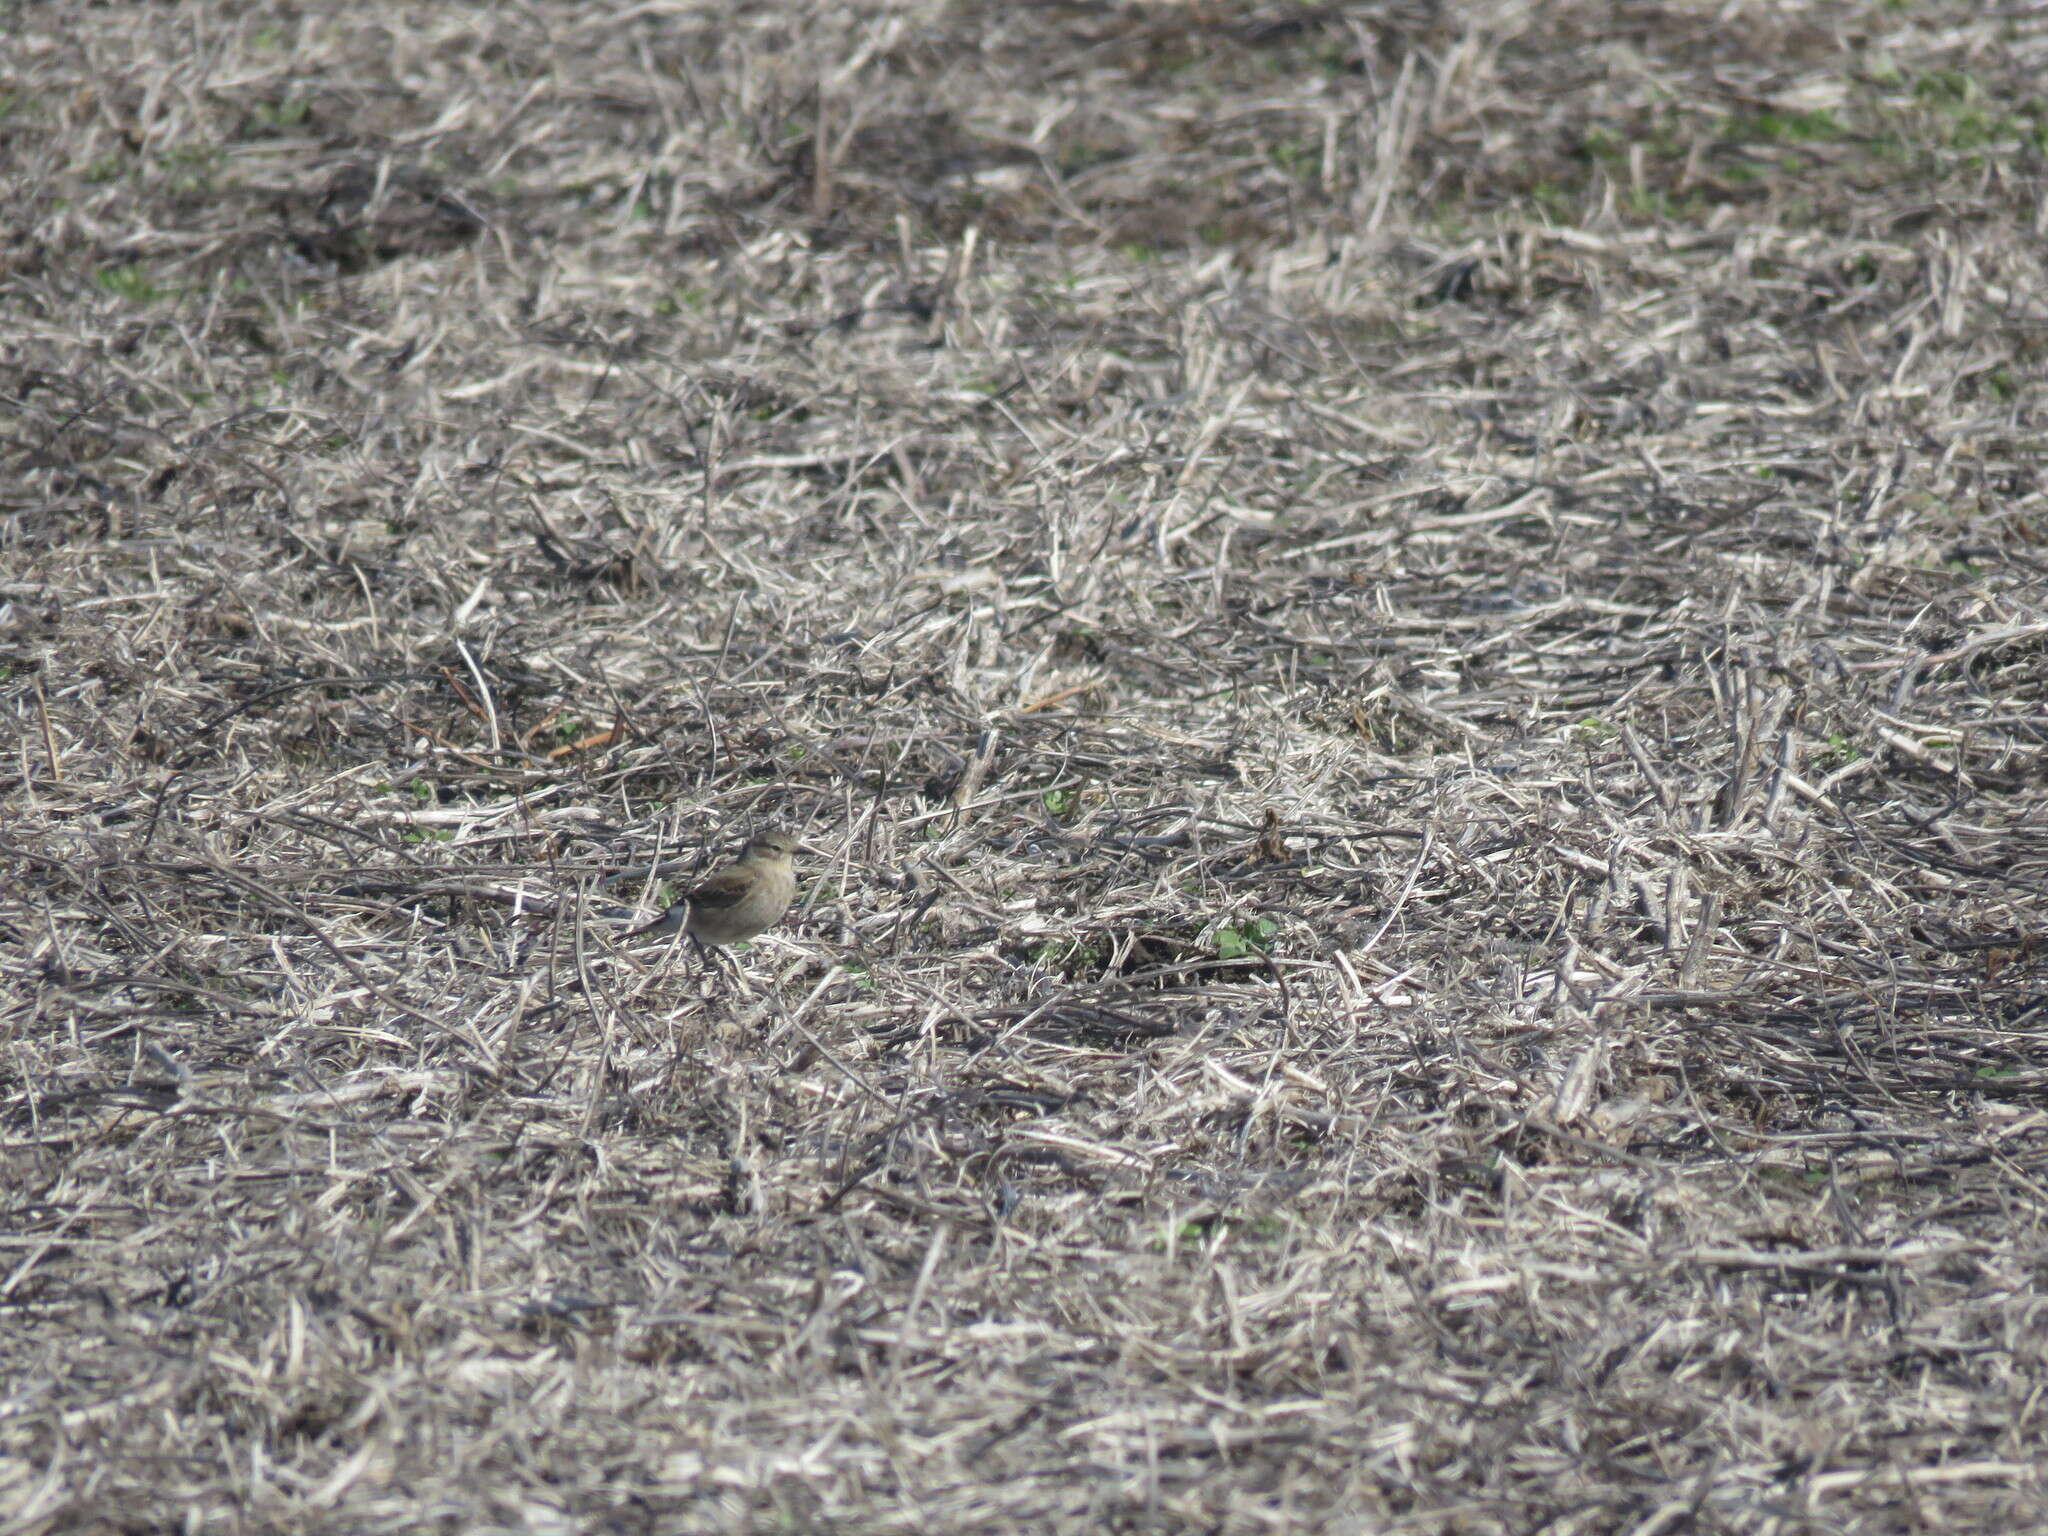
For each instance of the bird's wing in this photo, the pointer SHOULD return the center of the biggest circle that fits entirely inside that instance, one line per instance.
(727, 888)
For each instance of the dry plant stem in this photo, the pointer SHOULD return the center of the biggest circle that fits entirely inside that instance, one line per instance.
(1410, 646)
(284, 907)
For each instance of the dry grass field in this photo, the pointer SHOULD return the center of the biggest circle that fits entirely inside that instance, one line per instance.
(1410, 642)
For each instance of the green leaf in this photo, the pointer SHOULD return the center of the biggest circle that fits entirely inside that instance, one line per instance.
(1252, 936)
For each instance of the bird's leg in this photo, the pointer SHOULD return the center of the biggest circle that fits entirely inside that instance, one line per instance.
(721, 969)
(730, 962)
(703, 961)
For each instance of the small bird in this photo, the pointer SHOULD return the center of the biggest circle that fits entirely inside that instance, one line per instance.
(747, 896)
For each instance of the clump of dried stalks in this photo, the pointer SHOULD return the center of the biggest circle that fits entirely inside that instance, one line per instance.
(1412, 641)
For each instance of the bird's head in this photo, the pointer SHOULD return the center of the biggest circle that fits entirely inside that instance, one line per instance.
(775, 846)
